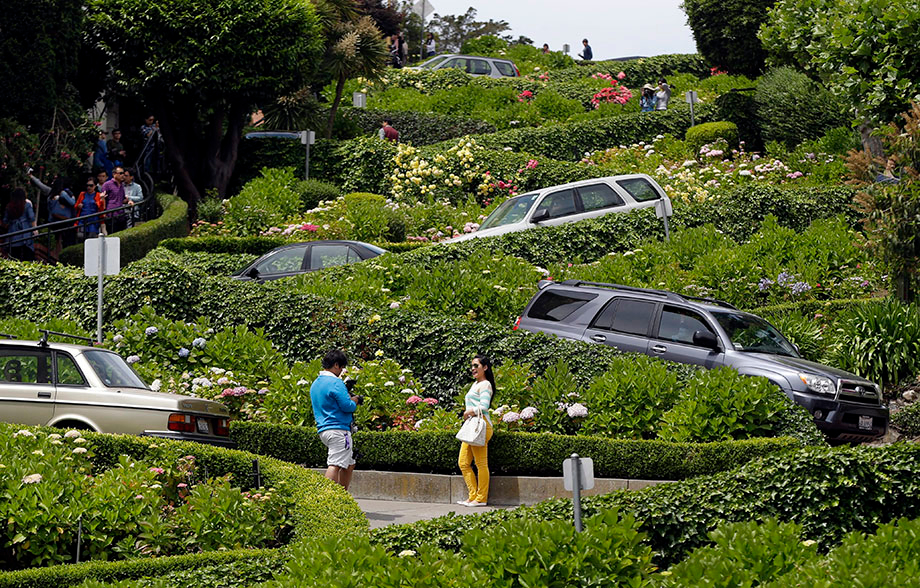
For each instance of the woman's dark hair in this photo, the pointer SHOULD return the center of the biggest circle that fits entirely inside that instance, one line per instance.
(17, 206)
(335, 357)
(57, 186)
(486, 362)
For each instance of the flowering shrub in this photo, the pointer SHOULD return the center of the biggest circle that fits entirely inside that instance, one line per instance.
(451, 175)
(131, 509)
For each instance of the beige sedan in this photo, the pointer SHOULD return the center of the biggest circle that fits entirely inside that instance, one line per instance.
(79, 387)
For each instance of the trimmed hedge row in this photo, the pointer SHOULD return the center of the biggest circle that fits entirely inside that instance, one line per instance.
(570, 141)
(830, 492)
(525, 454)
(418, 128)
(322, 508)
(256, 245)
(137, 241)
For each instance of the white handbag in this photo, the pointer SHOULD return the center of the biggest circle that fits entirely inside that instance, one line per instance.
(473, 431)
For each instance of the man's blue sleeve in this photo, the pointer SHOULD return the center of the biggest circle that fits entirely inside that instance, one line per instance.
(340, 393)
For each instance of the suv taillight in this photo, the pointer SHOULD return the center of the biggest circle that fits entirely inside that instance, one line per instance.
(517, 71)
(222, 428)
(184, 423)
(517, 324)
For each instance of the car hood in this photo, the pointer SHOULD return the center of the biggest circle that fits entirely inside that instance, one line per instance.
(797, 364)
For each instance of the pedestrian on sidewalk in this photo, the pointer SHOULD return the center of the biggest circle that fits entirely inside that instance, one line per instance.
(333, 409)
(477, 401)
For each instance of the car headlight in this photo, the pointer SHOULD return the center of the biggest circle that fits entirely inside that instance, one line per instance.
(819, 384)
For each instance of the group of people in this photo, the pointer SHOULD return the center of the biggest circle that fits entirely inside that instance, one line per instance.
(399, 49)
(655, 98)
(64, 202)
(110, 153)
(334, 406)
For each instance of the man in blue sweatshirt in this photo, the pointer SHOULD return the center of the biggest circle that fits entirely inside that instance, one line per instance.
(333, 409)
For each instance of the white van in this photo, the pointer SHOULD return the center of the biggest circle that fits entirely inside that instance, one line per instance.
(572, 202)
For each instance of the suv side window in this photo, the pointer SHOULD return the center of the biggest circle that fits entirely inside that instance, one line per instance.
(25, 366)
(640, 189)
(68, 374)
(479, 66)
(597, 196)
(506, 69)
(633, 316)
(557, 306)
(455, 64)
(558, 204)
(679, 324)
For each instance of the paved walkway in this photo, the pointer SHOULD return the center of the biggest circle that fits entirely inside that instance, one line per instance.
(381, 513)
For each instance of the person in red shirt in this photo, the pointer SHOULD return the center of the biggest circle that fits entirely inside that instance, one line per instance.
(388, 132)
(88, 202)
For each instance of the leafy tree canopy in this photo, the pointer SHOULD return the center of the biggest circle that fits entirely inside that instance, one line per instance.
(202, 66)
(726, 33)
(452, 31)
(865, 51)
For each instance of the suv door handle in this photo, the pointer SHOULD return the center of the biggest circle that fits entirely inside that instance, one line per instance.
(598, 338)
(659, 348)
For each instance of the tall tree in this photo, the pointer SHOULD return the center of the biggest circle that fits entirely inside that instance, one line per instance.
(726, 33)
(388, 19)
(452, 31)
(202, 66)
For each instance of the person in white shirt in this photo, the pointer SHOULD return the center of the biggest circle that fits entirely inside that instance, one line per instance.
(430, 49)
(662, 95)
(477, 401)
(134, 195)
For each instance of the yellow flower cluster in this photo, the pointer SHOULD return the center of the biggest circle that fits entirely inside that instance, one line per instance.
(415, 178)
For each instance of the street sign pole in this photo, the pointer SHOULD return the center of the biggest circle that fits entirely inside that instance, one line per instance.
(578, 475)
(576, 491)
(99, 288)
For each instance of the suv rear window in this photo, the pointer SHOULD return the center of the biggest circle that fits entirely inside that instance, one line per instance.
(640, 189)
(557, 306)
(506, 69)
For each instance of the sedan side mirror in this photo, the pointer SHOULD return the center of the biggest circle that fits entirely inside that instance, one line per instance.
(540, 216)
(253, 273)
(706, 339)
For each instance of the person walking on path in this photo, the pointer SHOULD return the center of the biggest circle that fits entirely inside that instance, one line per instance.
(88, 202)
(333, 409)
(19, 216)
(114, 190)
(388, 132)
(647, 101)
(586, 54)
(477, 401)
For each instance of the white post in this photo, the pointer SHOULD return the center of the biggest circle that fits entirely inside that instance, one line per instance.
(576, 490)
(99, 288)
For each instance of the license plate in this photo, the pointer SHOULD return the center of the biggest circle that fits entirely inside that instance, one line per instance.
(865, 422)
(205, 430)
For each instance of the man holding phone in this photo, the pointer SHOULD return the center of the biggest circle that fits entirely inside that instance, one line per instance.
(333, 408)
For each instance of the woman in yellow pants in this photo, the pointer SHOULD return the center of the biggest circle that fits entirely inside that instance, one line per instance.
(478, 400)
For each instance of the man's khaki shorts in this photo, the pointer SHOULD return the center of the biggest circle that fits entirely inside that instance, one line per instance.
(341, 448)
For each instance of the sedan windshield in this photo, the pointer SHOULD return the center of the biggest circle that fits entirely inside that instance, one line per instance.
(509, 212)
(750, 333)
(112, 370)
(432, 62)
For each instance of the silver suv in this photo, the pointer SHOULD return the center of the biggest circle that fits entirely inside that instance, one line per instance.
(90, 388)
(473, 65)
(708, 333)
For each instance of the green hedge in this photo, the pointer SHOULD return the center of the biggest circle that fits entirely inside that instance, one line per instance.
(322, 508)
(418, 128)
(523, 454)
(809, 308)
(570, 141)
(255, 245)
(704, 133)
(830, 492)
(137, 241)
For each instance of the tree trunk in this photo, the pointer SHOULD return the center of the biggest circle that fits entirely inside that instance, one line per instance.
(339, 88)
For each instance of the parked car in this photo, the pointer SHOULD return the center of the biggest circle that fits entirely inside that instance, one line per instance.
(473, 65)
(300, 258)
(80, 387)
(709, 333)
(572, 202)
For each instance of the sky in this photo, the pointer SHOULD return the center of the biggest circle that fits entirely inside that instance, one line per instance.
(614, 28)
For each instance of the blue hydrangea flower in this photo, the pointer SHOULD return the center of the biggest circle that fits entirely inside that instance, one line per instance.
(199, 343)
(183, 353)
(133, 359)
(764, 284)
(799, 287)
(150, 331)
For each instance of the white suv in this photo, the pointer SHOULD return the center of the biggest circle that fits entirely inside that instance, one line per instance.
(473, 65)
(572, 202)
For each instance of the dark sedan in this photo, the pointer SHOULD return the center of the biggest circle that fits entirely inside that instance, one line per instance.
(300, 258)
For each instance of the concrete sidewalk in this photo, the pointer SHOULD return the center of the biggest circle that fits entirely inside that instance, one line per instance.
(381, 513)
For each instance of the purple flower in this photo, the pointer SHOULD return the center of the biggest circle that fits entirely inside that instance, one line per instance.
(133, 359)
(151, 331)
(764, 284)
(799, 287)
(529, 412)
(510, 417)
(199, 343)
(183, 353)
(784, 278)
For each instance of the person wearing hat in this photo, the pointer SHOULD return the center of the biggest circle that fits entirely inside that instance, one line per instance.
(648, 100)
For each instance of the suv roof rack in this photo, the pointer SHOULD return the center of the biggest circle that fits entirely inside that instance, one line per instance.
(45, 332)
(666, 294)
